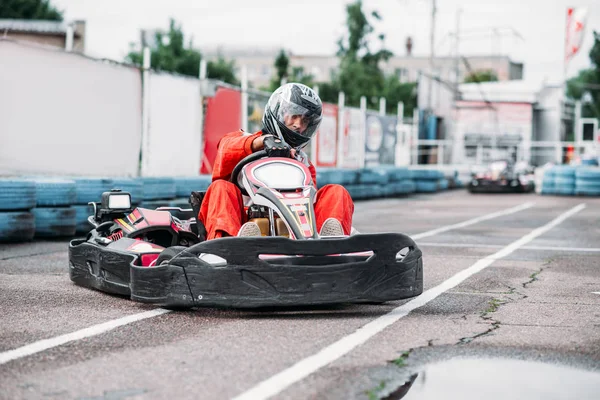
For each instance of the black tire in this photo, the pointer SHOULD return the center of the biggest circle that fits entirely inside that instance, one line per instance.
(168, 253)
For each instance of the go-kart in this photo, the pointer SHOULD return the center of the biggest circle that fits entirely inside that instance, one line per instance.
(503, 176)
(159, 256)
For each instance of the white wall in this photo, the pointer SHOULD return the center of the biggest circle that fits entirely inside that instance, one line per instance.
(63, 113)
(174, 143)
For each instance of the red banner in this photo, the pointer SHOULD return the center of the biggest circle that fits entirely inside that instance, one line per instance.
(223, 115)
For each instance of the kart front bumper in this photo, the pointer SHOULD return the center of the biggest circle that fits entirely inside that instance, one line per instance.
(307, 272)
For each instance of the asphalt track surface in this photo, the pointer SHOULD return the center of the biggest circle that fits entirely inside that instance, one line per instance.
(513, 276)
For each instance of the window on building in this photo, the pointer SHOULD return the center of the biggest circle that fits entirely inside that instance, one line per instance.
(588, 131)
(402, 74)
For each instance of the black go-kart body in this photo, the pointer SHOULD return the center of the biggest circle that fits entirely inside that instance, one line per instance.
(159, 256)
(502, 176)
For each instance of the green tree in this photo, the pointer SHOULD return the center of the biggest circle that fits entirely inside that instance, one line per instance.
(481, 76)
(588, 81)
(360, 72)
(282, 70)
(171, 54)
(282, 64)
(29, 9)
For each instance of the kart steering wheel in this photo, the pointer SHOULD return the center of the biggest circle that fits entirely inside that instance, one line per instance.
(238, 168)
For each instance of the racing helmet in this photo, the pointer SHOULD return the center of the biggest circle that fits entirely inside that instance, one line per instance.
(293, 99)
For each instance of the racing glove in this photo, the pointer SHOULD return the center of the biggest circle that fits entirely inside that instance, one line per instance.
(275, 147)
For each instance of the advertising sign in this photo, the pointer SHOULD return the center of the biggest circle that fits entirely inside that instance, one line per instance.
(380, 140)
(352, 139)
(326, 138)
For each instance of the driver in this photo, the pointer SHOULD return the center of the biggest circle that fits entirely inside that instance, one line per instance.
(291, 118)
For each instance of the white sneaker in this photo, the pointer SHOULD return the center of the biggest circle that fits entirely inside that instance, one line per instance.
(250, 229)
(332, 227)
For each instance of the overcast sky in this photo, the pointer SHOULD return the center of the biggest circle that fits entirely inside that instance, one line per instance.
(313, 26)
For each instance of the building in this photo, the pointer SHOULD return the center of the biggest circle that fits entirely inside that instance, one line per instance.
(260, 65)
(49, 33)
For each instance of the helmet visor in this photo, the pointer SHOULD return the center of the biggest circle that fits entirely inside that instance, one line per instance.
(298, 119)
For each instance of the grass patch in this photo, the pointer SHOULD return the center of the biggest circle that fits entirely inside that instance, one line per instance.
(401, 361)
(374, 393)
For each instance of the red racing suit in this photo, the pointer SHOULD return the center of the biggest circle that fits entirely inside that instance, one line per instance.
(222, 210)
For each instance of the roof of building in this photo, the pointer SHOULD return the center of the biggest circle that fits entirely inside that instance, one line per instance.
(33, 26)
(512, 91)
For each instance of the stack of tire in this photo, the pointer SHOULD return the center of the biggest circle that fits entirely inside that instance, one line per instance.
(133, 186)
(370, 183)
(587, 181)
(547, 182)
(88, 190)
(186, 185)
(54, 215)
(336, 176)
(17, 198)
(158, 191)
(429, 180)
(400, 182)
(564, 180)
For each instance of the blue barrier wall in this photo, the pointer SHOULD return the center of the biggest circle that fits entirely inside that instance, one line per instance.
(58, 207)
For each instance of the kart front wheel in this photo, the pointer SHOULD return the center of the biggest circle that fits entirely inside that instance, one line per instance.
(168, 253)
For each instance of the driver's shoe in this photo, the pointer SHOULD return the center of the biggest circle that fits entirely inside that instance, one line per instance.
(250, 229)
(331, 227)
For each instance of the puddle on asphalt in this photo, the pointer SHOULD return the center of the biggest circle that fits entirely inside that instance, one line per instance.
(495, 379)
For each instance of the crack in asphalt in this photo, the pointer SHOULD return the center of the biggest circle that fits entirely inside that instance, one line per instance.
(469, 339)
(495, 303)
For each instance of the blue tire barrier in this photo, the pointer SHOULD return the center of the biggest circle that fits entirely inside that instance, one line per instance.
(158, 188)
(404, 187)
(55, 192)
(564, 180)
(426, 186)
(91, 189)
(17, 194)
(426, 174)
(443, 184)
(185, 185)
(564, 170)
(588, 173)
(134, 186)
(54, 221)
(548, 189)
(374, 175)
(154, 204)
(398, 174)
(564, 190)
(363, 191)
(82, 226)
(587, 187)
(548, 186)
(349, 177)
(336, 176)
(17, 226)
(182, 202)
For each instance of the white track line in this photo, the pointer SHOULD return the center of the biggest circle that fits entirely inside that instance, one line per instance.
(281, 381)
(492, 246)
(472, 221)
(46, 344)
